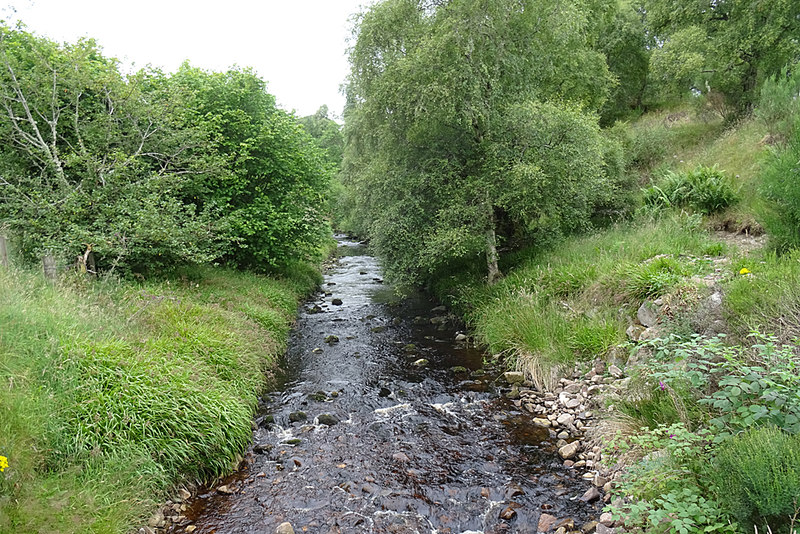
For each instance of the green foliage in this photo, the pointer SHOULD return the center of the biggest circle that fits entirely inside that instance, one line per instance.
(741, 387)
(150, 171)
(665, 488)
(757, 477)
(703, 189)
(463, 131)
(110, 394)
(780, 187)
(779, 103)
(725, 48)
(562, 304)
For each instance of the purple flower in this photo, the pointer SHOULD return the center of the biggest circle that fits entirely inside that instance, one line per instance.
(662, 385)
(671, 436)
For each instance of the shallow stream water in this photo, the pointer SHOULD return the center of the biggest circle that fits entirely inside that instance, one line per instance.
(388, 444)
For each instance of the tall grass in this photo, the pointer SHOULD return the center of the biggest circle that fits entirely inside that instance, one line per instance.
(110, 393)
(575, 301)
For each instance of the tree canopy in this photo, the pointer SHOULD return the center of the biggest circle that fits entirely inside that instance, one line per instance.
(150, 170)
(727, 47)
(472, 122)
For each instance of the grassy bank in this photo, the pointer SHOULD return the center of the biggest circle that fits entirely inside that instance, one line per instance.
(707, 428)
(111, 393)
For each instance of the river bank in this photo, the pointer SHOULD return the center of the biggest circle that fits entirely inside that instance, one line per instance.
(113, 393)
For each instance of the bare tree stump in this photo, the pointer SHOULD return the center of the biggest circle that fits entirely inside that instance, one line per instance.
(3, 251)
(49, 264)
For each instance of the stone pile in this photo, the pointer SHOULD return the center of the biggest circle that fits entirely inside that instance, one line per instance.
(570, 412)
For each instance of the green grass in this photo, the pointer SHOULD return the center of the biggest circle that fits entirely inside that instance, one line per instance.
(574, 302)
(767, 299)
(111, 393)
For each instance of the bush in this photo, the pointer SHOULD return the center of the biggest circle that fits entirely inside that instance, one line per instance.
(757, 475)
(779, 103)
(704, 189)
(781, 188)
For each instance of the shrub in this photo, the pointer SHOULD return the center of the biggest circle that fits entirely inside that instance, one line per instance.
(779, 103)
(781, 188)
(757, 476)
(704, 189)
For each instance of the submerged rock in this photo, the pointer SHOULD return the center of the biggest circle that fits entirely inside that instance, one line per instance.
(327, 419)
(296, 417)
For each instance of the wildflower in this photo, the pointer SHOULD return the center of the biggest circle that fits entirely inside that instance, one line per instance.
(672, 436)
(3, 463)
(662, 385)
(744, 271)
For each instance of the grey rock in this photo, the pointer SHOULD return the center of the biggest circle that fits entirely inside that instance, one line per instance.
(156, 520)
(634, 331)
(565, 419)
(461, 337)
(616, 372)
(651, 333)
(296, 417)
(647, 314)
(602, 529)
(337, 302)
(607, 519)
(591, 495)
(422, 362)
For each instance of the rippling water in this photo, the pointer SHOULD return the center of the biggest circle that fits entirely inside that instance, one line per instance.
(386, 445)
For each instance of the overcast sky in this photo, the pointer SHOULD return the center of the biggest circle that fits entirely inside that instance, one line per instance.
(297, 46)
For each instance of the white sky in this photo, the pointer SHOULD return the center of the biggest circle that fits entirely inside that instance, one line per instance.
(297, 46)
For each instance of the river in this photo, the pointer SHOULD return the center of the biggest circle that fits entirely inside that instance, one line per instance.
(360, 435)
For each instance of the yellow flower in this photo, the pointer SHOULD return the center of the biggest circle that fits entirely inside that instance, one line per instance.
(3, 463)
(744, 270)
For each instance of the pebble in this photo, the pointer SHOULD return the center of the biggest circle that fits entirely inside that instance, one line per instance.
(285, 528)
(569, 450)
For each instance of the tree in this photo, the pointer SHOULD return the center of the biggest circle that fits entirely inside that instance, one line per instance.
(151, 171)
(458, 115)
(268, 197)
(727, 47)
(89, 158)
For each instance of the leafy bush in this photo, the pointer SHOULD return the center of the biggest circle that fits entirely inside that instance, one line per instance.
(704, 189)
(665, 490)
(781, 188)
(743, 387)
(779, 103)
(757, 475)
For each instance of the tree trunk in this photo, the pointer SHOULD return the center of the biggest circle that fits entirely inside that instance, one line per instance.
(491, 251)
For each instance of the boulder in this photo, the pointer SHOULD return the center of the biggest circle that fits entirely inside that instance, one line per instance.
(634, 331)
(647, 314)
(327, 419)
(591, 495)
